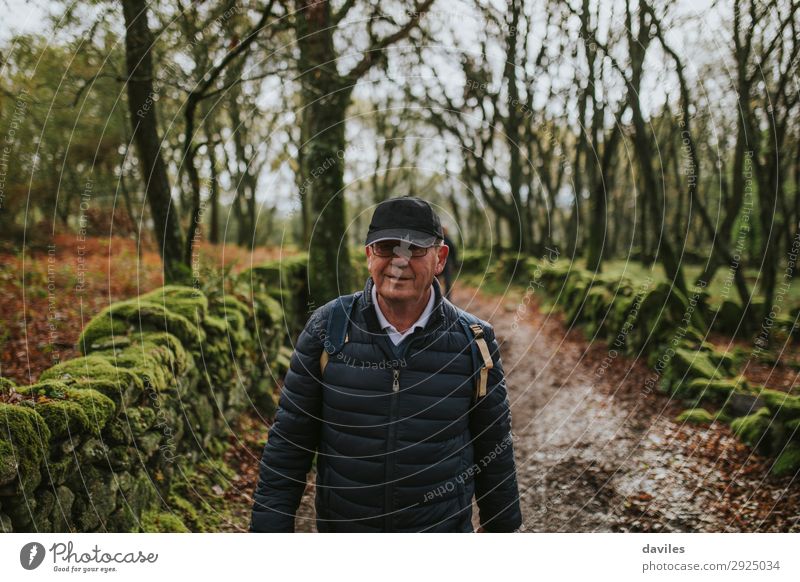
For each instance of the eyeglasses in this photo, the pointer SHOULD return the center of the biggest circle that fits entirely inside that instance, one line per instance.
(390, 248)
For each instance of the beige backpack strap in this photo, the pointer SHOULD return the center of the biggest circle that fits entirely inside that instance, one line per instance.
(323, 359)
(488, 364)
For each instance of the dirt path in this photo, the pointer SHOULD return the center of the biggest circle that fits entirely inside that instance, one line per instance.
(596, 452)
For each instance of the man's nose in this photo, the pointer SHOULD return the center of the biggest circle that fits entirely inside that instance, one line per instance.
(400, 262)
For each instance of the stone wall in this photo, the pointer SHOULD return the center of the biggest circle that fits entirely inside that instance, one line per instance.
(650, 319)
(98, 440)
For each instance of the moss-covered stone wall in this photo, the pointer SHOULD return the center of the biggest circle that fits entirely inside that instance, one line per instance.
(650, 319)
(97, 442)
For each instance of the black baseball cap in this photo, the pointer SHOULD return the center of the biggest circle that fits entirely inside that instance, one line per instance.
(406, 218)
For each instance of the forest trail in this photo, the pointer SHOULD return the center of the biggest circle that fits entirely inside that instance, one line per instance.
(596, 453)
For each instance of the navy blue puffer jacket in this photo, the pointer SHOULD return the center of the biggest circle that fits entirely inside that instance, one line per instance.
(401, 444)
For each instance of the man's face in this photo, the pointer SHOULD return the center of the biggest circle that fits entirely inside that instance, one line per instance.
(402, 276)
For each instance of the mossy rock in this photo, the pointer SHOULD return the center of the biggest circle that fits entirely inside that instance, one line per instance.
(96, 497)
(138, 420)
(162, 522)
(788, 462)
(186, 301)
(690, 365)
(6, 385)
(57, 472)
(61, 516)
(696, 416)
(137, 316)
(98, 373)
(27, 441)
(716, 391)
(596, 306)
(160, 363)
(232, 311)
(70, 411)
(728, 317)
(752, 430)
(723, 360)
(269, 311)
(8, 466)
(784, 406)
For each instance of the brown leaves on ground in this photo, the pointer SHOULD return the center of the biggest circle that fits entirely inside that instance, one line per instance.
(47, 296)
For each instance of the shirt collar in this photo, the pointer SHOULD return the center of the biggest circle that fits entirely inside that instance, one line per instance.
(421, 322)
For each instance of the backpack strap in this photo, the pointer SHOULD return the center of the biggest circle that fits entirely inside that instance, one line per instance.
(336, 331)
(481, 357)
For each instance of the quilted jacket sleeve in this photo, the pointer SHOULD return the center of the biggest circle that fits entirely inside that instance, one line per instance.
(293, 438)
(496, 488)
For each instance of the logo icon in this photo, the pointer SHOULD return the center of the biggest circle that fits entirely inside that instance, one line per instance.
(31, 555)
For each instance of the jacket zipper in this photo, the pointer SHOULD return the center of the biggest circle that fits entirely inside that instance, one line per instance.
(390, 459)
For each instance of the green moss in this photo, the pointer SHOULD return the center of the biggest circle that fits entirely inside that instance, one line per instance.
(715, 391)
(186, 301)
(135, 315)
(788, 462)
(196, 495)
(728, 317)
(753, 429)
(6, 385)
(696, 416)
(232, 311)
(27, 440)
(690, 365)
(158, 359)
(70, 411)
(98, 373)
(138, 420)
(723, 360)
(8, 465)
(162, 522)
(215, 326)
(784, 406)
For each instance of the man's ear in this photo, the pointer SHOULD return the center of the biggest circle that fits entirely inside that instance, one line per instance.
(441, 258)
(368, 250)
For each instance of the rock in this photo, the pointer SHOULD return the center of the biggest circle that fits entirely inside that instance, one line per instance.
(696, 416)
(788, 462)
(752, 429)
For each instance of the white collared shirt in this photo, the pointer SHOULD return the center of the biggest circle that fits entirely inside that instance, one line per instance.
(391, 330)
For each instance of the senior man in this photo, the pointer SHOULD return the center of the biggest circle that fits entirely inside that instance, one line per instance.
(402, 398)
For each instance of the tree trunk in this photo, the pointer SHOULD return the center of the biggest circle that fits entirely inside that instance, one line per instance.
(142, 97)
(213, 198)
(325, 99)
